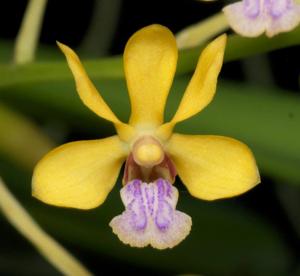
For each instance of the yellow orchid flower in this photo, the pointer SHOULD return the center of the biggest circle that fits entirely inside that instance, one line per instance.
(81, 174)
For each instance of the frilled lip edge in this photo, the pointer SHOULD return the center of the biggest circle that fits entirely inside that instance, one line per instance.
(150, 216)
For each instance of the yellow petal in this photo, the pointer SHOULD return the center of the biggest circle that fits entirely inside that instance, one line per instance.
(150, 60)
(213, 167)
(79, 174)
(89, 94)
(202, 87)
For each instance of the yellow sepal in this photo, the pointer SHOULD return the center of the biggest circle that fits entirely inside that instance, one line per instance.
(90, 95)
(79, 174)
(213, 167)
(150, 60)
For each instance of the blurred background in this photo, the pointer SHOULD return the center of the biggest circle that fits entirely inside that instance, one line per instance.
(258, 102)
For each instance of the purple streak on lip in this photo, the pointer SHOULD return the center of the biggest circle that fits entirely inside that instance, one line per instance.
(137, 187)
(163, 220)
(252, 8)
(160, 188)
(278, 7)
(136, 207)
(149, 192)
(164, 214)
(169, 190)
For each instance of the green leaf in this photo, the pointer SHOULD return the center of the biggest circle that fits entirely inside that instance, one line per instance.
(57, 70)
(237, 48)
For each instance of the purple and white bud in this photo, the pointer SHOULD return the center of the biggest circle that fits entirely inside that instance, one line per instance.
(251, 18)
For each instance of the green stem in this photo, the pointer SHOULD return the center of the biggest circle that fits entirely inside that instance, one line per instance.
(264, 77)
(27, 38)
(20, 139)
(197, 34)
(57, 255)
(289, 198)
(102, 28)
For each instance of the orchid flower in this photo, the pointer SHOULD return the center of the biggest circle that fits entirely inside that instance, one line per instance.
(253, 17)
(81, 174)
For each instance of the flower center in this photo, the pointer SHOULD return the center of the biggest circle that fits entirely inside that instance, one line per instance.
(147, 152)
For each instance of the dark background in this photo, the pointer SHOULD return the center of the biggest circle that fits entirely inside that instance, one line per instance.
(68, 22)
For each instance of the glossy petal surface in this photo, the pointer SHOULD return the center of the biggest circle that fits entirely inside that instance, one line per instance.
(150, 60)
(213, 167)
(79, 174)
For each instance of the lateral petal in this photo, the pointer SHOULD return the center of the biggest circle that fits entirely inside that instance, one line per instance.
(202, 87)
(213, 167)
(89, 94)
(79, 174)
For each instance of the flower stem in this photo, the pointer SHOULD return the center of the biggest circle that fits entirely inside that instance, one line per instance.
(196, 34)
(46, 245)
(20, 139)
(27, 38)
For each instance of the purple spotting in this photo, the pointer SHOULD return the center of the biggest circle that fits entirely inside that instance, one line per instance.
(252, 8)
(277, 8)
(150, 217)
